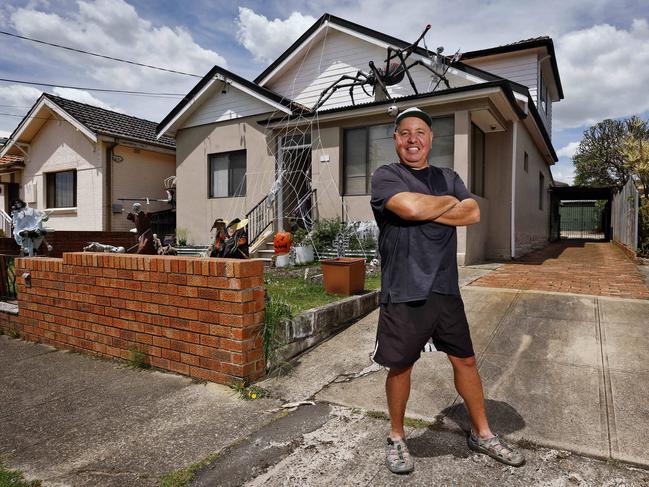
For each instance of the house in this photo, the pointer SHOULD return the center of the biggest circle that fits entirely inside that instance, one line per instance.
(80, 162)
(276, 148)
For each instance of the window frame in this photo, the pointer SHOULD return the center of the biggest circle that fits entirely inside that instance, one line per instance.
(541, 189)
(368, 176)
(51, 197)
(210, 174)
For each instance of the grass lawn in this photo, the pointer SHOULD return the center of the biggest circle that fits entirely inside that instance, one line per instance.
(13, 478)
(290, 286)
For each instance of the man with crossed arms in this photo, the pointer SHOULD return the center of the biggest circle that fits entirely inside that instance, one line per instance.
(417, 208)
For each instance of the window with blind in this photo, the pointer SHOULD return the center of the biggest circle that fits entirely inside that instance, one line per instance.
(61, 189)
(367, 148)
(227, 174)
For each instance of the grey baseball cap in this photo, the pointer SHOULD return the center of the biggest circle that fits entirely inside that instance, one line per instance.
(414, 112)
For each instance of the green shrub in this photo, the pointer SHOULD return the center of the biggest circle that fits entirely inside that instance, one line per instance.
(325, 232)
(275, 313)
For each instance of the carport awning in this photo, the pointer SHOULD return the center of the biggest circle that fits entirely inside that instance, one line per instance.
(582, 193)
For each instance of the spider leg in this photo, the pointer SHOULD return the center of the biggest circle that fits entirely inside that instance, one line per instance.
(359, 79)
(441, 76)
(406, 68)
(379, 80)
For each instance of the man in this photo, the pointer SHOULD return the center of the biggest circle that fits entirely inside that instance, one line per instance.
(417, 207)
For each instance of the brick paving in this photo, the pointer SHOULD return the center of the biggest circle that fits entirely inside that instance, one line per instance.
(597, 268)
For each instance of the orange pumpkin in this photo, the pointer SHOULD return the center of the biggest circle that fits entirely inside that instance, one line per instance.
(282, 243)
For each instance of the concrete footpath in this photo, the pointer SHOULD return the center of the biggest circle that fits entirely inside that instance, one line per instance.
(566, 377)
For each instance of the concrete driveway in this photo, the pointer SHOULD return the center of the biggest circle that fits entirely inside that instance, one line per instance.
(560, 370)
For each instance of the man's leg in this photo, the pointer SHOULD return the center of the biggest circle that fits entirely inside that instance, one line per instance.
(397, 390)
(469, 386)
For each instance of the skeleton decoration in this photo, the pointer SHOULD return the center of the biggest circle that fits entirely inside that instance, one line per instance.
(142, 222)
(28, 229)
(99, 247)
(163, 248)
(396, 67)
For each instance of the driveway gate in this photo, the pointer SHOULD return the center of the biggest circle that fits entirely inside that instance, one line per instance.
(580, 213)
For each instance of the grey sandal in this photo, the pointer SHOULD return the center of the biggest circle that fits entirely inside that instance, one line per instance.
(497, 449)
(397, 457)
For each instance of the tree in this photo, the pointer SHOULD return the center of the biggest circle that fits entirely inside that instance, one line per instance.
(599, 160)
(635, 150)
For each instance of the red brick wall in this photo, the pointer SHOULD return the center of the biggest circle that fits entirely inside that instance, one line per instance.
(195, 316)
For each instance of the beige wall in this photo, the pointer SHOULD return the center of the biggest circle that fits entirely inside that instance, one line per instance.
(497, 183)
(59, 147)
(532, 224)
(140, 174)
(196, 212)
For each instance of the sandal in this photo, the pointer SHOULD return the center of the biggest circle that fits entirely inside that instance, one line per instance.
(497, 449)
(397, 457)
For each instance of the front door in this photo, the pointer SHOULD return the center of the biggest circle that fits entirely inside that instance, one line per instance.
(294, 168)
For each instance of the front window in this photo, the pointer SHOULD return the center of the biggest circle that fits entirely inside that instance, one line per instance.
(227, 174)
(61, 189)
(367, 148)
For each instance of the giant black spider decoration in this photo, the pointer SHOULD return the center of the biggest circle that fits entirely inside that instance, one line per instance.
(393, 72)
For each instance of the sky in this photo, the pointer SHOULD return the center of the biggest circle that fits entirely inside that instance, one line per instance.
(602, 48)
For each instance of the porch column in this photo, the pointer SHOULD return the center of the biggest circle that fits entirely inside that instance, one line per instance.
(462, 166)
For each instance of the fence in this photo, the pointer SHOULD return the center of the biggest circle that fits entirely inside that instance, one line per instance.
(625, 216)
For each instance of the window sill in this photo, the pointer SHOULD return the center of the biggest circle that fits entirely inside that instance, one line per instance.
(61, 211)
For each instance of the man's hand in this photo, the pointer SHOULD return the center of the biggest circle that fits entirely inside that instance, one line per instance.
(420, 207)
(447, 210)
(467, 212)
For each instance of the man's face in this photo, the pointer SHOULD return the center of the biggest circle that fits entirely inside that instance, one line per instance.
(412, 141)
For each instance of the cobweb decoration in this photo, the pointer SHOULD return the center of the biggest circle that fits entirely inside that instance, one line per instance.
(295, 141)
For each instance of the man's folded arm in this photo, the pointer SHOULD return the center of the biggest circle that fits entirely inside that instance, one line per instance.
(420, 207)
(466, 212)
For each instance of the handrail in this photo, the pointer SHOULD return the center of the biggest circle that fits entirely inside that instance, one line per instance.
(6, 223)
(260, 217)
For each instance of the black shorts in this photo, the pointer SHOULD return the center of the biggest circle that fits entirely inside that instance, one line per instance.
(405, 329)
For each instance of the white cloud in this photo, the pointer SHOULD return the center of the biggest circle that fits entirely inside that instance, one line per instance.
(568, 150)
(605, 73)
(18, 97)
(83, 97)
(564, 172)
(4, 133)
(114, 28)
(266, 39)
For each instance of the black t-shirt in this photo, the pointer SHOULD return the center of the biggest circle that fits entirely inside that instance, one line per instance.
(417, 258)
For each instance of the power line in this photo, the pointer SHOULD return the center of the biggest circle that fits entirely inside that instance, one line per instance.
(102, 90)
(81, 51)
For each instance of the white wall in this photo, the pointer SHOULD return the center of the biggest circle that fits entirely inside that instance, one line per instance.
(338, 54)
(58, 147)
(219, 107)
(519, 67)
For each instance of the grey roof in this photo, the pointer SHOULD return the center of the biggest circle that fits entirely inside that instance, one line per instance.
(108, 122)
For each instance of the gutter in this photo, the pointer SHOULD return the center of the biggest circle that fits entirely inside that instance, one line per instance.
(513, 208)
(109, 185)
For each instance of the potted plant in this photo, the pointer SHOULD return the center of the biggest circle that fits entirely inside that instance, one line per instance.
(303, 247)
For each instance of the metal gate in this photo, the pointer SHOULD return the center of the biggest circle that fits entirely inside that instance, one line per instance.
(584, 219)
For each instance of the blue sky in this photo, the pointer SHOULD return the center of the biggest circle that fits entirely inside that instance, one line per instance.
(602, 47)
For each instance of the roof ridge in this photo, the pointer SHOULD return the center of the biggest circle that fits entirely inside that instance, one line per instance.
(54, 97)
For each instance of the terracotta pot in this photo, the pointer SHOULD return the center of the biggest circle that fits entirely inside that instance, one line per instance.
(344, 275)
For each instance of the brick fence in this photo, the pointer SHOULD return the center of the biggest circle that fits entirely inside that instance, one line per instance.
(195, 316)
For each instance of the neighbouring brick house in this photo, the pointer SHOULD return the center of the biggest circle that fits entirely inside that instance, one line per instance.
(78, 160)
